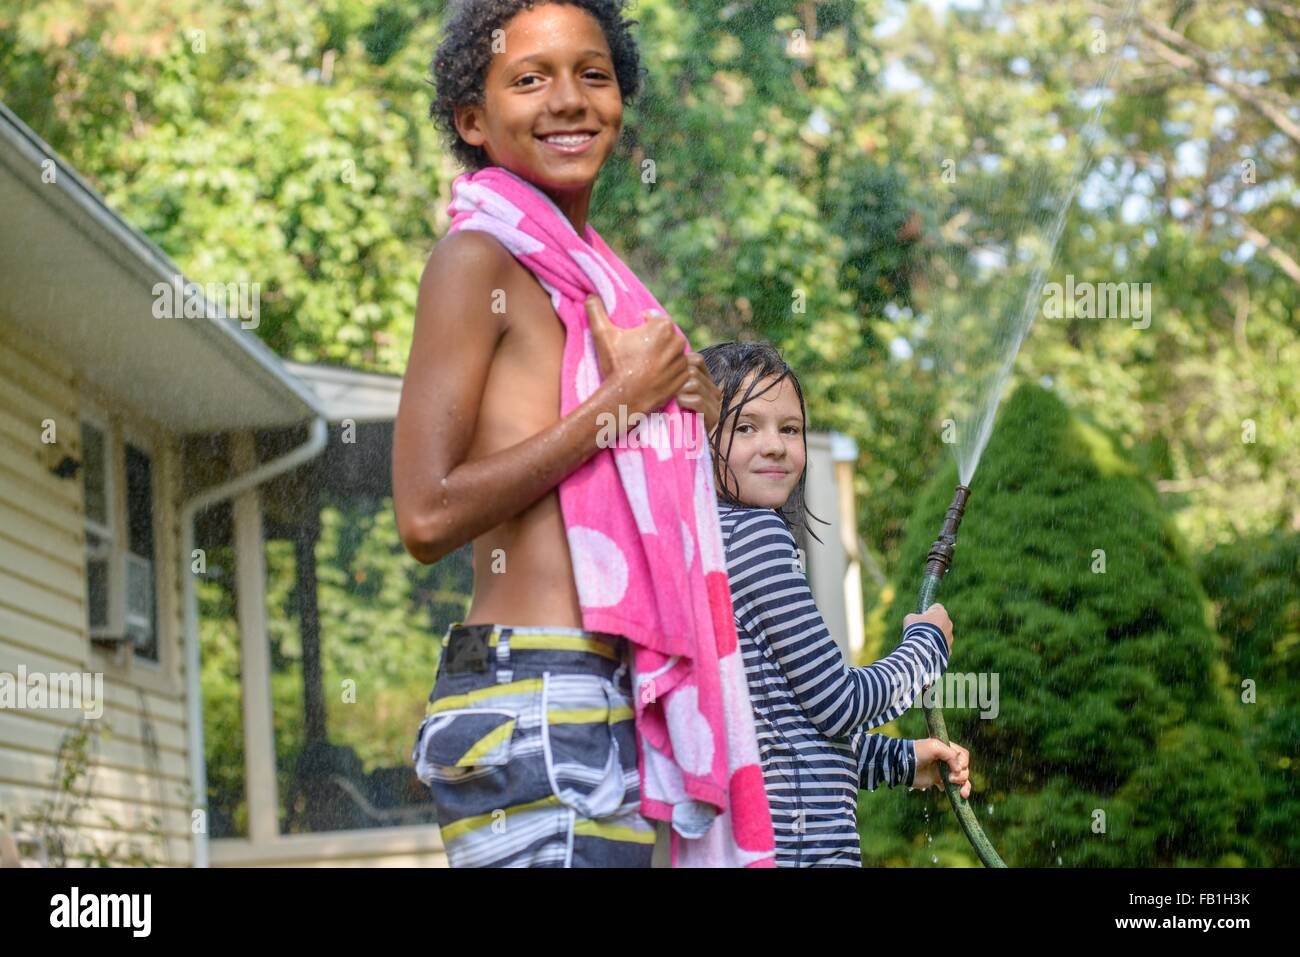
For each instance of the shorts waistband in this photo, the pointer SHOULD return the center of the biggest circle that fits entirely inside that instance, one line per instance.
(526, 639)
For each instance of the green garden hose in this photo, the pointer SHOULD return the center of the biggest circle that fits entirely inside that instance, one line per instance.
(936, 566)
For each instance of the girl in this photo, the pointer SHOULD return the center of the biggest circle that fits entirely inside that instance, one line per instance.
(811, 710)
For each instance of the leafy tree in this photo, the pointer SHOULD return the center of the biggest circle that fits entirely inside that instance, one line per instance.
(254, 142)
(1192, 189)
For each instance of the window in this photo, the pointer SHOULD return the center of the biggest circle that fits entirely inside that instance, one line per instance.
(120, 593)
(99, 534)
(141, 615)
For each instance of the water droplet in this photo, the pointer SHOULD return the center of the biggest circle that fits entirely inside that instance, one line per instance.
(934, 859)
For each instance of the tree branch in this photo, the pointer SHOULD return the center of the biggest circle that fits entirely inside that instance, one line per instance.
(1178, 50)
(1279, 256)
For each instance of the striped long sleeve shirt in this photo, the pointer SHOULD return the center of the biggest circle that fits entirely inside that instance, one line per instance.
(813, 714)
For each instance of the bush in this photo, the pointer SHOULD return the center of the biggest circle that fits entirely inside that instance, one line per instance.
(1257, 605)
(1115, 742)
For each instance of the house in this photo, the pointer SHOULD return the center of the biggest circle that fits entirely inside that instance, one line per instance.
(142, 422)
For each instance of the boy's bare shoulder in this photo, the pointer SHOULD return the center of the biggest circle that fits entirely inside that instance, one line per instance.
(459, 284)
(467, 255)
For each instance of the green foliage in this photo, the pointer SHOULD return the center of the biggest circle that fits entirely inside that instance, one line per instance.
(281, 144)
(1254, 586)
(382, 616)
(1184, 172)
(223, 716)
(1111, 692)
(59, 821)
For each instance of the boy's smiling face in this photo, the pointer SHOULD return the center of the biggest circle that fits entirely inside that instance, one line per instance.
(555, 76)
(767, 449)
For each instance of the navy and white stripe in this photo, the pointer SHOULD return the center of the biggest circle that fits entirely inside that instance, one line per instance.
(812, 712)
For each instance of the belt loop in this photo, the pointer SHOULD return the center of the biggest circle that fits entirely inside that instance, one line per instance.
(504, 672)
(442, 656)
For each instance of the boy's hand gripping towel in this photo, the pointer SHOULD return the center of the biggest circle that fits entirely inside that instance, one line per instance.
(642, 524)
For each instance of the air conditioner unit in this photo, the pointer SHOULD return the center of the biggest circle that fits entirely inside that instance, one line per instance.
(104, 604)
(139, 618)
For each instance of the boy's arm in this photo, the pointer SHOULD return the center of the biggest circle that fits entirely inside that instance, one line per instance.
(772, 599)
(441, 500)
(884, 759)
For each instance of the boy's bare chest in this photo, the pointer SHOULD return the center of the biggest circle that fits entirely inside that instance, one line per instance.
(522, 394)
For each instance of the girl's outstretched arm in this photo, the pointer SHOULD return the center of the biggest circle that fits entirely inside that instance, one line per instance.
(771, 597)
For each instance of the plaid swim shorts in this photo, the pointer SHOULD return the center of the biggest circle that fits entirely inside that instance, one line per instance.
(528, 748)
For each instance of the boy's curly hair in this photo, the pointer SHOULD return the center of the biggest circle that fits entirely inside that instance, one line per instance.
(461, 64)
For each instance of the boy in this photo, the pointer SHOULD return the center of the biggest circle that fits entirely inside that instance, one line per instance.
(480, 448)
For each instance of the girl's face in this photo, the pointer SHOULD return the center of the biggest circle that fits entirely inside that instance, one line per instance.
(767, 448)
(554, 76)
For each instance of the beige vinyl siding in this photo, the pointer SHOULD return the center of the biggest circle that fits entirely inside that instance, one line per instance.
(139, 761)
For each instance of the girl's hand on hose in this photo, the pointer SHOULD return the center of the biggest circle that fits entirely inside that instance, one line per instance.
(935, 615)
(929, 752)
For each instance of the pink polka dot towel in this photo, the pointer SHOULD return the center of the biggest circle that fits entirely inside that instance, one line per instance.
(646, 546)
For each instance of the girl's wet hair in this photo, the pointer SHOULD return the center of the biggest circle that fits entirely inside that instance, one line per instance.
(730, 364)
(460, 66)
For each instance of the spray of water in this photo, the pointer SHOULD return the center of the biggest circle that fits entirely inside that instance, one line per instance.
(979, 393)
